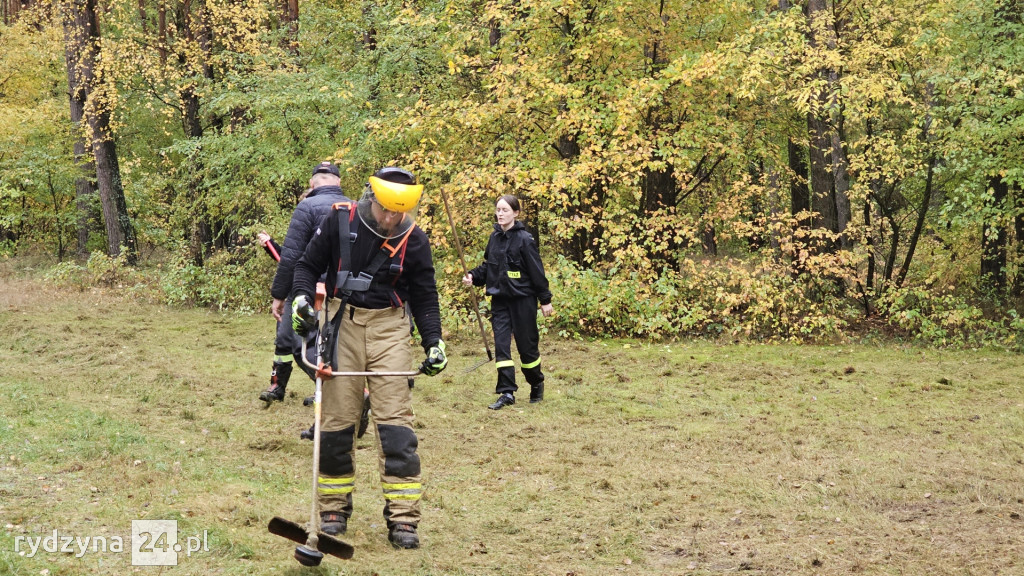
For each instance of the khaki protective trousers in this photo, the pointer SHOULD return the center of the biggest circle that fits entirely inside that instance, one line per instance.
(373, 341)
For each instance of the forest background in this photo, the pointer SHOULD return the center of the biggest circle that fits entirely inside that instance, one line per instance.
(781, 170)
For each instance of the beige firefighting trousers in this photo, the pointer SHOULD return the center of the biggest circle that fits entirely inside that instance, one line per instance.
(373, 341)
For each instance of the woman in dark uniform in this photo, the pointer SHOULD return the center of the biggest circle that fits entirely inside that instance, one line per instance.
(514, 276)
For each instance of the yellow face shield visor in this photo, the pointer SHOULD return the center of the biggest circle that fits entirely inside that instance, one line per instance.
(394, 196)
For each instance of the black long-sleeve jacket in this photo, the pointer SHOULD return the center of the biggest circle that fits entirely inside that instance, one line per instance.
(303, 225)
(512, 267)
(415, 283)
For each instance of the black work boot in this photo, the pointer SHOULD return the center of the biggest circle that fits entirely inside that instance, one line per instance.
(404, 536)
(506, 399)
(536, 392)
(307, 434)
(279, 375)
(333, 523)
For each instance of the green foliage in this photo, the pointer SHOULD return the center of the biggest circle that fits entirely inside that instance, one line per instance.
(649, 143)
(36, 168)
(229, 280)
(724, 298)
(948, 319)
(99, 270)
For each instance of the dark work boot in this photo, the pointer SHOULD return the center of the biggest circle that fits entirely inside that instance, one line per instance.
(279, 375)
(536, 393)
(404, 536)
(333, 523)
(307, 434)
(505, 399)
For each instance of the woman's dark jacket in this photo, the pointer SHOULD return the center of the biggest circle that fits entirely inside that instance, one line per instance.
(512, 267)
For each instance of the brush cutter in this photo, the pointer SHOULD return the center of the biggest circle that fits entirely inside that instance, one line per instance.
(313, 543)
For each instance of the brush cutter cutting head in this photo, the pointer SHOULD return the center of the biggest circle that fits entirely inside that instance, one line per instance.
(307, 556)
(325, 543)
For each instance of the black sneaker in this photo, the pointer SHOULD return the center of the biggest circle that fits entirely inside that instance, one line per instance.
(307, 434)
(275, 392)
(333, 523)
(403, 536)
(536, 393)
(505, 399)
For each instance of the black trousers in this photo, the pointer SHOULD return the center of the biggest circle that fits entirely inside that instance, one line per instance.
(515, 317)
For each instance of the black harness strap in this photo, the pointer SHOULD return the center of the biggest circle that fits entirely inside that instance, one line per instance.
(345, 282)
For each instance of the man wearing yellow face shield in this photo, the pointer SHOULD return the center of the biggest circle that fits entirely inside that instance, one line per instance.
(386, 264)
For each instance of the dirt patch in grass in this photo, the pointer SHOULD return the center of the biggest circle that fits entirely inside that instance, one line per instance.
(686, 458)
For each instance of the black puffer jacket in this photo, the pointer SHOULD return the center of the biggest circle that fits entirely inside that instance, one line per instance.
(305, 220)
(512, 267)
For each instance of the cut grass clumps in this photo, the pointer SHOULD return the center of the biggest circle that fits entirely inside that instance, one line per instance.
(680, 458)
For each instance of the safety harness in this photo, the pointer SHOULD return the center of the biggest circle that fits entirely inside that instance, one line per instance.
(347, 281)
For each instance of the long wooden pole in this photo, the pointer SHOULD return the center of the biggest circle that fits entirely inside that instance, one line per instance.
(465, 270)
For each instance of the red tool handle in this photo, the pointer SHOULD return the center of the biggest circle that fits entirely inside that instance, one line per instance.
(270, 246)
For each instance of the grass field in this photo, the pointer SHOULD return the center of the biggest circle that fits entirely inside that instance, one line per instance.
(644, 459)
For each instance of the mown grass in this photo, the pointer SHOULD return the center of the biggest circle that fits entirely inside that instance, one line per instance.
(644, 459)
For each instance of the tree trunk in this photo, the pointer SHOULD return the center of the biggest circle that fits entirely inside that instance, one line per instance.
(290, 21)
(193, 27)
(822, 200)
(708, 242)
(85, 187)
(582, 241)
(775, 209)
(993, 239)
(799, 193)
(894, 244)
(370, 34)
(819, 133)
(1018, 234)
(708, 238)
(57, 227)
(142, 17)
(658, 190)
(494, 33)
(83, 16)
(875, 188)
(161, 32)
(926, 200)
(841, 178)
(840, 163)
(120, 231)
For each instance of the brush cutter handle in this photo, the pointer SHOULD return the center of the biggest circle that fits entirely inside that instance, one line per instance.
(321, 295)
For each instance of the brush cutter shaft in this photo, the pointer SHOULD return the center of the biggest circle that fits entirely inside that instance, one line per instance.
(314, 514)
(313, 541)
